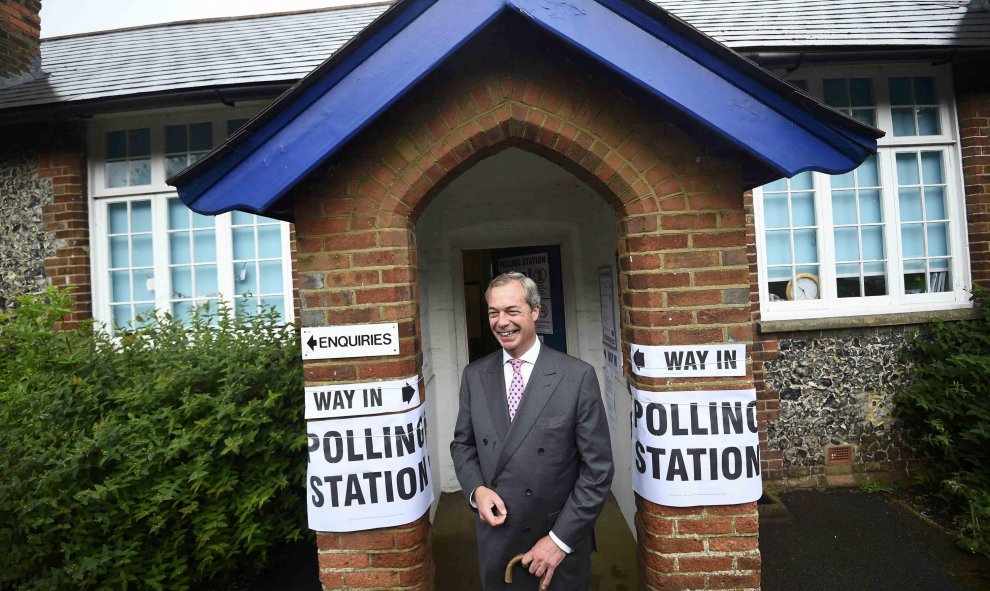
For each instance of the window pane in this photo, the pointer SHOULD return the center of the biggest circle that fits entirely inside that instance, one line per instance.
(910, 199)
(924, 91)
(140, 142)
(116, 145)
(206, 280)
(844, 181)
(802, 182)
(870, 211)
(269, 241)
(117, 213)
(869, 173)
(935, 203)
(234, 124)
(846, 244)
(120, 286)
(867, 116)
(903, 120)
(122, 314)
(861, 92)
(245, 278)
(835, 93)
(872, 237)
(844, 207)
(174, 165)
(778, 248)
(900, 91)
(175, 139)
(931, 168)
(180, 253)
(907, 169)
(140, 172)
(805, 246)
(119, 252)
(270, 277)
(116, 173)
(938, 240)
(912, 240)
(202, 221)
(240, 218)
(247, 307)
(143, 285)
(200, 137)
(143, 253)
(775, 210)
(182, 282)
(205, 247)
(928, 123)
(140, 216)
(243, 243)
(803, 209)
(178, 215)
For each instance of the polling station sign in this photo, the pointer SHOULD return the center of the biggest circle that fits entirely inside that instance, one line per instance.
(696, 448)
(368, 472)
(349, 400)
(350, 340)
(688, 361)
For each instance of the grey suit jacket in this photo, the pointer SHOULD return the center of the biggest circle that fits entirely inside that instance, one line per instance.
(552, 465)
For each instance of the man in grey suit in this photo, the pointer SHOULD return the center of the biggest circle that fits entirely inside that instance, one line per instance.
(531, 449)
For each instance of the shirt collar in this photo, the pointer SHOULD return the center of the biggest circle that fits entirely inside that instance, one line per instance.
(529, 356)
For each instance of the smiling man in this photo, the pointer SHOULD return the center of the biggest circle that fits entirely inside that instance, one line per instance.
(531, 449)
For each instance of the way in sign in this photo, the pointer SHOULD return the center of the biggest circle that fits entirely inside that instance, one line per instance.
(347, 400)
(689, 360)
(698, 360)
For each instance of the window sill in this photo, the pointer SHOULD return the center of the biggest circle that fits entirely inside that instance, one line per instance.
(865, 321)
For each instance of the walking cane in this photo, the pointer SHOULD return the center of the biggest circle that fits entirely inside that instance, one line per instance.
(515, 560)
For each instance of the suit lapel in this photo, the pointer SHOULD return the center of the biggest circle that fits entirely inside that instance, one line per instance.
(494, 387)
(542, 383)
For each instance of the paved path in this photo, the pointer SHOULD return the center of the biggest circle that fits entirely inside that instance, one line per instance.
(848, 540)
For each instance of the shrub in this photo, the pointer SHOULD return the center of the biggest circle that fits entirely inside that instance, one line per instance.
(948, 410)
(170, 458)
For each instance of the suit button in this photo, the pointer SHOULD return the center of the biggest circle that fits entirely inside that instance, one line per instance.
(527, 530)
(541, 451)
(529, 493)
(484, 441)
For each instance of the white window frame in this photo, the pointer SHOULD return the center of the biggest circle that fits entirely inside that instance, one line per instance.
(829, 305)
(158, 192)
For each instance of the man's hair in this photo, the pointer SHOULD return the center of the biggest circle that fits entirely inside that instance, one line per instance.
(529, 286)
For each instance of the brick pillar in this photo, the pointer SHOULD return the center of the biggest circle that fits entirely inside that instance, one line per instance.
(973, 104)
(67, 219)
(686, 281)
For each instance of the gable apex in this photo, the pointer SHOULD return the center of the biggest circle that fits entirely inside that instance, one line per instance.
(780, 128)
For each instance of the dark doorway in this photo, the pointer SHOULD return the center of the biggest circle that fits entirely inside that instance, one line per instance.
(539, 263)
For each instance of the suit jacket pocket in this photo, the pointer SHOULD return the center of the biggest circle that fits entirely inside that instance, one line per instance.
(550, 421)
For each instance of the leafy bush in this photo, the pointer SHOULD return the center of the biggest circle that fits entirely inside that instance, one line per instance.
(948, 409)
(170, 458)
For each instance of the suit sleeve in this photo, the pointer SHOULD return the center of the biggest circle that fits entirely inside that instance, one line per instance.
(594, 448)
(463, 448)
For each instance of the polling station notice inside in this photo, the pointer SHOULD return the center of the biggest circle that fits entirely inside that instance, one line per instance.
(350, 400)
(696, 448)
(368, 472)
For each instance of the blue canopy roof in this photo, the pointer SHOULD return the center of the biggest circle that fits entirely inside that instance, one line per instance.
(785, 130)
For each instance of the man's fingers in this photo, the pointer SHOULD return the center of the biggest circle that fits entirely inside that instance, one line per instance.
(546, 579)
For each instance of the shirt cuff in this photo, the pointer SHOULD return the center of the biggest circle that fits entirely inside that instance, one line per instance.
(567, 549)
(471, 500)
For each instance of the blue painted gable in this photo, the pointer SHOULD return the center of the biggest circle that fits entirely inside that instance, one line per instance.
(783, 130)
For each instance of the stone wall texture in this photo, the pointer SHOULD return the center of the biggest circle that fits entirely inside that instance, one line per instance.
(24, 241)
(838, 390)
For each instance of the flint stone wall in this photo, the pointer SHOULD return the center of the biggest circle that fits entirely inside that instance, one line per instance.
(839, 390)
(24, 241)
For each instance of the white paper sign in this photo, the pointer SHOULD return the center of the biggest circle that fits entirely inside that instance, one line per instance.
(536, 266)
(368, 472)
(696, 448)
(610, 378)
(605, 291)
(350, 340)
(685, 361)
(349, 400)
(613, 359)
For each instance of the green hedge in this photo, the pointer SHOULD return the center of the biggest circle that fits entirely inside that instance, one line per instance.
(171, 458)
(948, 411)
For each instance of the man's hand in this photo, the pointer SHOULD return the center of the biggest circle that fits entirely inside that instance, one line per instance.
(491, 509)
(543, 558)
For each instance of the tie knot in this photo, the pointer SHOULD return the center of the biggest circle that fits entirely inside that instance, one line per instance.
(516, 363)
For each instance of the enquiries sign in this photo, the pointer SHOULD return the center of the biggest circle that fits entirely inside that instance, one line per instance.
(350, 340)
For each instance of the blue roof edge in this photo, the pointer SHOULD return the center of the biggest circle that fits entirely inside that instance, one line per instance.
(784, 129)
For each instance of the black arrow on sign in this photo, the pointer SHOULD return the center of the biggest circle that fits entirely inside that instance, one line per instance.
(639, 358)
(407, 393)
(311, 342)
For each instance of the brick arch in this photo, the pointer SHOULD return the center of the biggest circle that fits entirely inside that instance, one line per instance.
(683, 272)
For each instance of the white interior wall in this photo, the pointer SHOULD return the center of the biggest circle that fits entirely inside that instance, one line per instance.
(513, 198)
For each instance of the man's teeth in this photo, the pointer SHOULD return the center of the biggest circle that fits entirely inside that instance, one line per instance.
(508, 333)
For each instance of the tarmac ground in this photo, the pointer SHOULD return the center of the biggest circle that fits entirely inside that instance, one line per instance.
(811, 540)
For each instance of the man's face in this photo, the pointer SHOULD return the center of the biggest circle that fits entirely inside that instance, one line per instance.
(511, 318)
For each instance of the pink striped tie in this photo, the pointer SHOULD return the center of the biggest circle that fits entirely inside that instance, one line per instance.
(515, 387)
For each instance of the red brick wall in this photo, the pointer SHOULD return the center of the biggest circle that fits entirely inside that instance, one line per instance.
(683, 272)
(973, 104)
(63, 160)
(20, 30)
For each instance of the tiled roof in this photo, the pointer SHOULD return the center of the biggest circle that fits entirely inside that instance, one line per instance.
(283, 48)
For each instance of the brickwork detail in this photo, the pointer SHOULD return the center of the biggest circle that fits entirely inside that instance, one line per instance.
(682, 252)
(973, 104)
(20, 46)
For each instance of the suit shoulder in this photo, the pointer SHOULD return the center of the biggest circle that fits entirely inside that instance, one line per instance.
(494, 358)
(571, 363)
